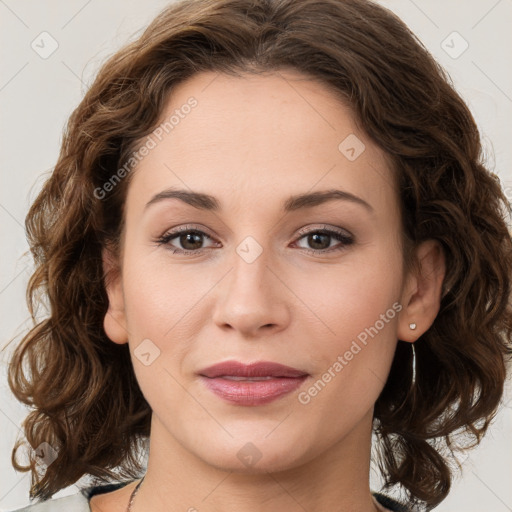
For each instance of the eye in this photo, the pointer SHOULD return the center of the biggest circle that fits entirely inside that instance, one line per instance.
(190, 240)
(321, 240)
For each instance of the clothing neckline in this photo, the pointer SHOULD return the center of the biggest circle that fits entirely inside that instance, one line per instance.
(93, 490)
(379, 505)
(383, 501)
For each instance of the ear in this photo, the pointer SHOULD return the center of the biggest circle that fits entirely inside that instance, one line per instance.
(421, 297)
(114, 322)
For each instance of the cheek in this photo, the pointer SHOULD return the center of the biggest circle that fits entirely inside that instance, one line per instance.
(352, 297)
(160, 297)
(358, 305)
(159, 306)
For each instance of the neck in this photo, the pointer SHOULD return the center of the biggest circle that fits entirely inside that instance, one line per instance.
(337, 479)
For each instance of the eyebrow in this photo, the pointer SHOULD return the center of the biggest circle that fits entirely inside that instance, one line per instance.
(203, 201)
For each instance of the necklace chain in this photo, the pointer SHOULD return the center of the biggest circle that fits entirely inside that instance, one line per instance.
(134, 493)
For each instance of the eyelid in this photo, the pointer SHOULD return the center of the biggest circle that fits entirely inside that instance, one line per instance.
(303, 231)
(324, 227)
(188, 227)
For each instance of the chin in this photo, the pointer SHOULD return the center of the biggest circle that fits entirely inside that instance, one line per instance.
(255, 454)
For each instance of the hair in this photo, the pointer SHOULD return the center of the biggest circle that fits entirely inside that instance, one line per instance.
(84, 398)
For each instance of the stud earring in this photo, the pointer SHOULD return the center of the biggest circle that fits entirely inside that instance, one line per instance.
(412, 326)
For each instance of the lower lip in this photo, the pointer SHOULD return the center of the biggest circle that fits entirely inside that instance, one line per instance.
(258, 392)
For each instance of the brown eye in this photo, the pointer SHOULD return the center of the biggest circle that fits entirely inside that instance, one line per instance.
(188, 240)
(319, 241)
(191, 240)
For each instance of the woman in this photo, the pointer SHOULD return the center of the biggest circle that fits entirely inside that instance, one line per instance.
(193, 305)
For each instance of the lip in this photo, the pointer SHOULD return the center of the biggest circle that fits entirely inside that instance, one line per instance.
(251, 384)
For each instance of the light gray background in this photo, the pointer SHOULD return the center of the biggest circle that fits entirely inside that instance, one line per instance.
(37, 95)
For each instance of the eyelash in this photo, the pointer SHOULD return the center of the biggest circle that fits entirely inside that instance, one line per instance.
(346, 240)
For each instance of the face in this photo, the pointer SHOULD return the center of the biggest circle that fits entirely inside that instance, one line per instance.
(255, 274)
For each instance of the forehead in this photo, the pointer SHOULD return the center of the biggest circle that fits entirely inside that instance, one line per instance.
(253, 136)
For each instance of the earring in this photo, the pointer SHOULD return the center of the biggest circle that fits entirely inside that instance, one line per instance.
(412, 326)
(413, 364)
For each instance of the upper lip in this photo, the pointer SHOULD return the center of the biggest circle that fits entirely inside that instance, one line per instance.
(258, 369)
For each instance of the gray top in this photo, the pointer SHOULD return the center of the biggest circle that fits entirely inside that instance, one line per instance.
(79, 502)
(75, 503)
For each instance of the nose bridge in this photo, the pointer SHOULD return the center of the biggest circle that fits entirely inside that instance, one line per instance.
(251, 296)
(250, 264)
(248, 278)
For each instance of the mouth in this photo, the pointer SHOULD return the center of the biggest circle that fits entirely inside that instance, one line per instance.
(251, 384)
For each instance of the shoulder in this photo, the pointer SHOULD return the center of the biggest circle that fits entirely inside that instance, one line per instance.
(78, 502)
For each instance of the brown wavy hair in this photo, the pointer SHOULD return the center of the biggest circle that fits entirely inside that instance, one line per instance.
(81, 387)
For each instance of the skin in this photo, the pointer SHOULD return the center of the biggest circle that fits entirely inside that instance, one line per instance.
(252, 141)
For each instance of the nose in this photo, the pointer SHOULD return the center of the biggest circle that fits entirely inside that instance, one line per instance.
(251, 299)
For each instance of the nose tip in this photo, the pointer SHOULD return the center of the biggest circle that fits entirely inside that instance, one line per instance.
(249, 300)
